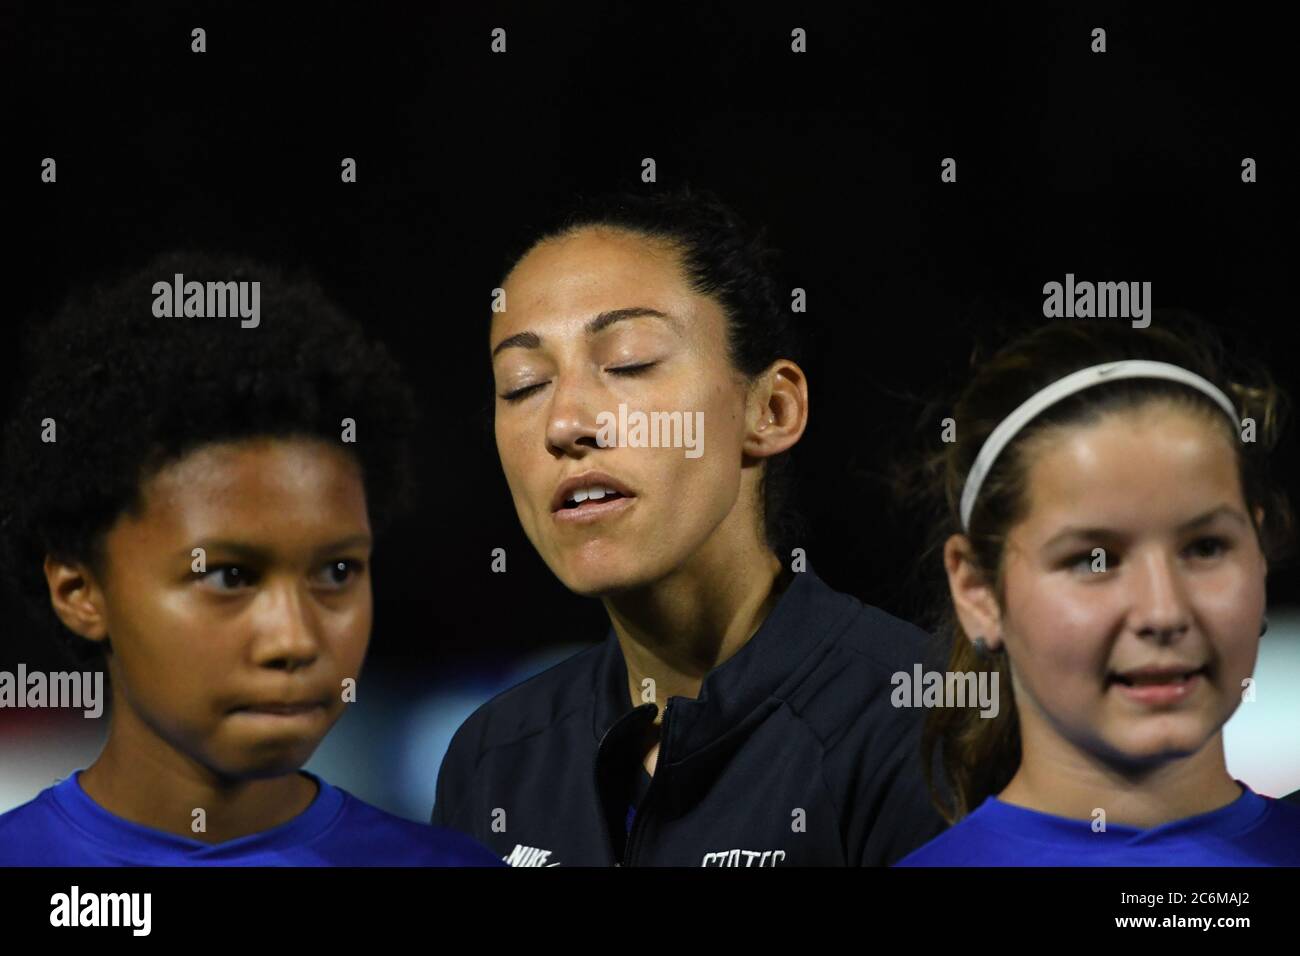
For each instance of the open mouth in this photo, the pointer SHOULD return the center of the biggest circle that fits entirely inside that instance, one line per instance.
(592, 509)
(1158, 688)
(1162, 678)
(590, 495)
(591, 498)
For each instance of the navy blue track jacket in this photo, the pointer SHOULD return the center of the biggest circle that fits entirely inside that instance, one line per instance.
(791, 755)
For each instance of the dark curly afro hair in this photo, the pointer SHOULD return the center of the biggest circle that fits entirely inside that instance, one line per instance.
(130, 393)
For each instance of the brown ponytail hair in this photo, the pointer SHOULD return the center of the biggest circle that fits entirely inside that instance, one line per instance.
(980, 755)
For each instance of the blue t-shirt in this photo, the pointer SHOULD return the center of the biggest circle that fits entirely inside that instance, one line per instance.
(1253, 830)
(63, 826)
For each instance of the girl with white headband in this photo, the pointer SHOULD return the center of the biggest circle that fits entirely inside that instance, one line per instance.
(1109, 523)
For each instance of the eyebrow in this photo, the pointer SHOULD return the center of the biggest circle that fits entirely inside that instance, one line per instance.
(597, 323)
(1225, 511)
(254, 552)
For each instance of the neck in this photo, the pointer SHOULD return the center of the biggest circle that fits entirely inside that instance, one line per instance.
(677, 629)
(141, 778)
(1058, 779)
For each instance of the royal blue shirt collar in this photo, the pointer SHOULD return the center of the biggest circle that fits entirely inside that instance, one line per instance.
(155, 845)
(1026, 824)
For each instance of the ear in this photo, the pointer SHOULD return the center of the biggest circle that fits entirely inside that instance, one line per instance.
(776, 410)
(77, 598)
(973, 597)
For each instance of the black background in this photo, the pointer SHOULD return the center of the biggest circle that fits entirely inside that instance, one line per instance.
(1122, 166)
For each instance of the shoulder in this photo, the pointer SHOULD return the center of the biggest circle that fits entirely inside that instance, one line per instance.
(557, 694)
(968, 842)
(1284, 817)
(1286, 808)
(1266, 830)
(27, 831)
(34, 809)
(384, 839)
(849, 683)
(881, 643)
(872, 756)
(863, 636)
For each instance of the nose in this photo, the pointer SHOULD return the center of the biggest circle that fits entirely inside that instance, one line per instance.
(288, 633)
(1160, 607)
(571, 420)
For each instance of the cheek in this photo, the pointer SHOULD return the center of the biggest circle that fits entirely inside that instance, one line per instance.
(517, 429)
(709, 486)
(1232, 598)
(723, 432)
(1057, 631)
(710, 482)
(162, 638)
(525, 480)
(1230, 609)
(508, 445)
(350, 637)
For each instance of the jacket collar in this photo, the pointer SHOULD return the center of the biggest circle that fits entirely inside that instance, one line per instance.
(743, 689)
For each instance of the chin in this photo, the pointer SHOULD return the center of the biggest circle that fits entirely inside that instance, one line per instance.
(1155, 745)
(600, 571)
(270, 757)
(593, 583)
(262, 767)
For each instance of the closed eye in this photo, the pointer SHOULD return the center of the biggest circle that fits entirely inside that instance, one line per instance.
(629, 371)
(520, 393)
(632, 370)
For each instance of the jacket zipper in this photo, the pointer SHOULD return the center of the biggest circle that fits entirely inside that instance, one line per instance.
(595, 780)
(633, 844)
(600, 803)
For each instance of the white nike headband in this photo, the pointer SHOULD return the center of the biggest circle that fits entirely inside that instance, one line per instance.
(1062, 388)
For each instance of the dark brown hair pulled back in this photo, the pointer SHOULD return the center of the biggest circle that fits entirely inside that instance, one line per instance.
(980, 755)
